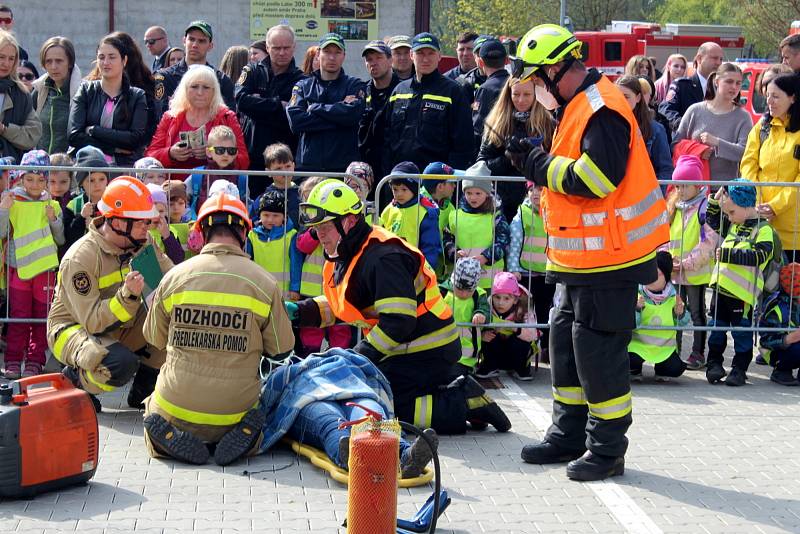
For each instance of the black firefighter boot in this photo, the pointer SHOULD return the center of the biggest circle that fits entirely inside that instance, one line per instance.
(592, 466)
(143, 385)
(72, 374)
(480, 407)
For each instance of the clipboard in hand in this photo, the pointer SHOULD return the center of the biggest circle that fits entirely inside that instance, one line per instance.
(146, 263)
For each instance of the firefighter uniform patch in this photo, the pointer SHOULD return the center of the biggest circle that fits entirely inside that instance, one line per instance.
(82, 283)
(243, 76)
(159, 79)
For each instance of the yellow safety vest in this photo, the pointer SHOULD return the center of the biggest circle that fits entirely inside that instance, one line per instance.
(34, 248)
(181, 231)
(157, 239)
(273, 255)
(742, 281)
(475, 233)
(470, 337)
(534, 255)
(682, 241)
(404, 222)
(311, 278)
(655, 346)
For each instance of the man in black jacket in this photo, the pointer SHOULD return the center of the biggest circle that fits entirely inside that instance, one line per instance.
(197, 42)
(324, 112)
(491, 60)
(684, 92)
(428, 118)
(465, 44)
(378, 60)
(263, 92)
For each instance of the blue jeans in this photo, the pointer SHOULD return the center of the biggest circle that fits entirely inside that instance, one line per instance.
(317, 425)
(742, 343)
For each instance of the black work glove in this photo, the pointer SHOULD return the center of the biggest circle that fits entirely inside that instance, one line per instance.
(518, 148)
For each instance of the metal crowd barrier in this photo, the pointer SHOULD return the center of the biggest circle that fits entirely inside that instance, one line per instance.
(117, 171)
(754, 328)
(112, 172)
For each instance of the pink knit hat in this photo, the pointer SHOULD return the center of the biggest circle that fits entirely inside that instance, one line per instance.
(505, 284)
(688, 167)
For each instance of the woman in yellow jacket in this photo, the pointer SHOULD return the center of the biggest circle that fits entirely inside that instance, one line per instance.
(772, 154)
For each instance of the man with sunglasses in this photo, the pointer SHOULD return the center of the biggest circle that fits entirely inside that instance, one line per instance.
(7, 24)
(198, 41)
(605, 217)
(157, 43)
(95, 323)
(376, 281)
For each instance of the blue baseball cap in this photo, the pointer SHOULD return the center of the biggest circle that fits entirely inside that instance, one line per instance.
(331, 38)
(425, 40)
(437, 167)
(492, 49)
(377, 46)
(479, 42)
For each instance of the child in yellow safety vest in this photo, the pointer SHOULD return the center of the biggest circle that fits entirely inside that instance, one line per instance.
(508, 348)
(33, 223)
(309, 338)
(160, 230)
(738, 277)
(659, 305)
(181, 216)
(272, 245)
(477, 229)
(527, 259)
(470, 305)
(441, 190)
(413, 217)
(692, 243)
(781, 349)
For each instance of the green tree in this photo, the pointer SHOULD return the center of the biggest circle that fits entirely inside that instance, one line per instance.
(494, 17)
(766, 22)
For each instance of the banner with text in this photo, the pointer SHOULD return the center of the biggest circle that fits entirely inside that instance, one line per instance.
(311, 19)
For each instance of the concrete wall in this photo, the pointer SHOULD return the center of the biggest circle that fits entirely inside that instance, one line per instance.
(86, 21)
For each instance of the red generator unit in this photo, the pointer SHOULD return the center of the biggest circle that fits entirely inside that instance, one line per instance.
(48, 436)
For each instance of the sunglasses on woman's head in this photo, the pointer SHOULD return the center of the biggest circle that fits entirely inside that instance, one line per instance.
(220, 150)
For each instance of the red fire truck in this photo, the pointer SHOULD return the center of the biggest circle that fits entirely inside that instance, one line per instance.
(609, 51)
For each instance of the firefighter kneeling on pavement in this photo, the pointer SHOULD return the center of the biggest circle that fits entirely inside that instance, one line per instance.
(374, 280)
(95, 322)
(216, 314)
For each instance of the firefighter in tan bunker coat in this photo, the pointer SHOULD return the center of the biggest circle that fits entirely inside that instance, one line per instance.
(215, 314)
(95, 322)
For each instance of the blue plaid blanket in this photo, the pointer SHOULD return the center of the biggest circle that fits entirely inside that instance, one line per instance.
(338, 374)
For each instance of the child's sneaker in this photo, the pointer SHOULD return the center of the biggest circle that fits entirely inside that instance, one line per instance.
(636, 376)
(522, 374)
(663, 379)
(696, 361)
(32, 369)
(13, 371)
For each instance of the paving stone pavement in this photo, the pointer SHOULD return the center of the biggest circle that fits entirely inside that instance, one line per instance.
(702, 459)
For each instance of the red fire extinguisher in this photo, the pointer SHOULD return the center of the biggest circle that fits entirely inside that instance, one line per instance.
(374, 464)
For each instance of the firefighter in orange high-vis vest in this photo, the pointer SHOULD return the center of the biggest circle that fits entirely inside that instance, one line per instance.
(95, 323)
(216, 314)
(605, 217)
(381, 284)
